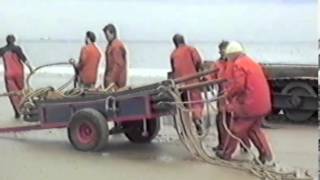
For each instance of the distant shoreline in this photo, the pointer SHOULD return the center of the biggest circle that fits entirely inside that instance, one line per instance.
(158, 41)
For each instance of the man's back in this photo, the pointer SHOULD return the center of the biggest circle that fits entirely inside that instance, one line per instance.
(255, 98)
(13, 49)
(90, 58)
(12, 57)
(13, 61)
(185, 61)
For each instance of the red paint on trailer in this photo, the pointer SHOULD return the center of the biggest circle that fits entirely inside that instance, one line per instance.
(87, 133)
(30, 127)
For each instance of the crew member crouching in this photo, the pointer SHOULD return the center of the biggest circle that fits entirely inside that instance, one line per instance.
(248, 100)
(223, 66)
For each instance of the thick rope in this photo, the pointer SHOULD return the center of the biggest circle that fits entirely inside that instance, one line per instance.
(195, 145)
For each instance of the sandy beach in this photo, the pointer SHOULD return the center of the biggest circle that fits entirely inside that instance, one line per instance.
(47, 154)
(271, 32)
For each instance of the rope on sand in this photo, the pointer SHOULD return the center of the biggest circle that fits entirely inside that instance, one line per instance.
(194, 144)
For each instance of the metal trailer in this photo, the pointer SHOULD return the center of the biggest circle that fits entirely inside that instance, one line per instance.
(135, 112)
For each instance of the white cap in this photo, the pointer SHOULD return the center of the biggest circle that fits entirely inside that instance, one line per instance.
(234, 47)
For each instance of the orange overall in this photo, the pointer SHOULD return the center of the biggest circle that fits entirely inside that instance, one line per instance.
(185, 61)
(223, 67)
(13, 59)
(88, 66)
(116, 71)
(249, 100)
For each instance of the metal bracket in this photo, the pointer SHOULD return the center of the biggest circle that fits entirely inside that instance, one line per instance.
(110, 104)
(145, 132)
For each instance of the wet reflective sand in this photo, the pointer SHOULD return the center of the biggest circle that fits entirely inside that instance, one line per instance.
(48, 155)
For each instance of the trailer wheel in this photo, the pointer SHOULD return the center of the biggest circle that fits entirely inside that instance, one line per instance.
(88, 130)
(297, 89)
(135, 133)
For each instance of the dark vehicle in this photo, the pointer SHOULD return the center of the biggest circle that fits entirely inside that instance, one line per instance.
(294, 90)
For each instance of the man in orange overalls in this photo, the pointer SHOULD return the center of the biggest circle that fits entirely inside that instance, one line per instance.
(223, 66)
(88, 66)
(14, 61)
(249, 101)
(116, 56)
(185, 60)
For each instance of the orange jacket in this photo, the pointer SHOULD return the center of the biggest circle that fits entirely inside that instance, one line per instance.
(88, 66)
(185, 61)
(13, 59)
(222, 67)
(247, 90)
(116, 64)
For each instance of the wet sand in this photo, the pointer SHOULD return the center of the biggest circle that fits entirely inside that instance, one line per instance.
(47, 154)
(29, 158)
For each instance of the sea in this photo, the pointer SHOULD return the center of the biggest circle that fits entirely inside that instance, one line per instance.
(149, 60)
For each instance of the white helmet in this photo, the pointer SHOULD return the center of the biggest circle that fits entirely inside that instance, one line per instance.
(234, 47)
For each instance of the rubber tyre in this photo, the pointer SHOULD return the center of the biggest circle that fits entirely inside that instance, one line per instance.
(134, 130)
(88, 130)
(298, 88)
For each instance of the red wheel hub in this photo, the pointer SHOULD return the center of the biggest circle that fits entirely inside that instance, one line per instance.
(86, 133)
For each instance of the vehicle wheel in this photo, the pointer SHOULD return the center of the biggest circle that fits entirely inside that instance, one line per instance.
(134, 130)
(88, 130)
(297, 89)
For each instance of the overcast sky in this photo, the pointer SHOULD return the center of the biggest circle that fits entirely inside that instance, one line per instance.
(199, 20)
(318, 20)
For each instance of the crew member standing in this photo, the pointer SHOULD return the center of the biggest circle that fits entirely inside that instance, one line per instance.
(185, 60)
(116, 56)
(14, 74)
(90, 62)
(249, 101)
